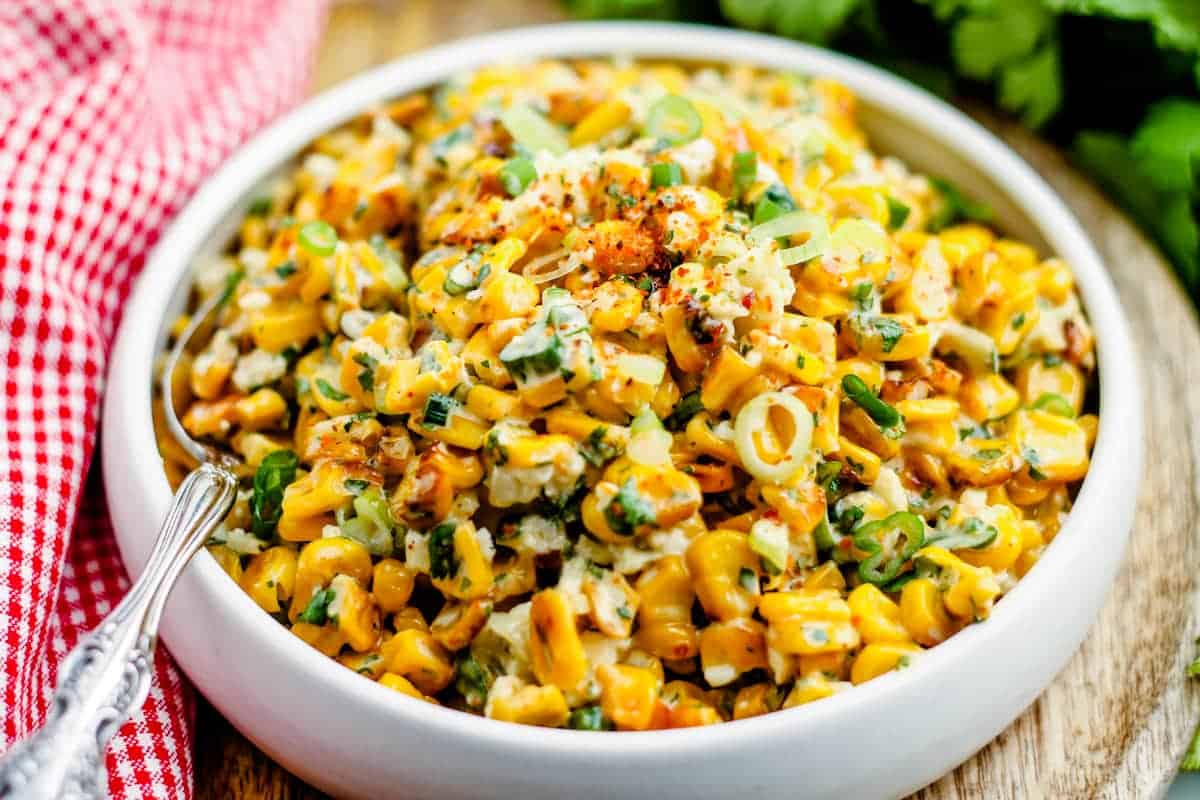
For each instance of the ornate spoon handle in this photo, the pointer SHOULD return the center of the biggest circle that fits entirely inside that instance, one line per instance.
(107, 676)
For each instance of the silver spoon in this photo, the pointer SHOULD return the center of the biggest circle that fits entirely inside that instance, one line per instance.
(106, 677)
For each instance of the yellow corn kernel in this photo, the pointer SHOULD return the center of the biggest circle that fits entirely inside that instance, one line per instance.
(412, 380)
(324, 638)
(664, 617)
(473, 577)
(871, 372)
(700, 437)
(1055, 280)
(1035, 378)
(599, 122)
(876, 659)
(792, 360)
(392, 584)
(261, 409)
(726, 375)
(923, 613)
(967, 591)
(809, 688)
(931, 409)
(285, 323)
(322, 559)
(928, 295)
(825, 576)
(1008, 319)
(1054, 446)
(271, 577)
(729, 649)
(689, 355)
(507, 295)
(390, 331)
(612, 603)
(1003, 550)
(615, 306)
(673, 496)
(457, 623)
(876, 616)
(1090, 424)
(808, 623)
(409, 619)
(210, 419)
(369, 664)
(401, 684)
(983, 462)
(628, 695)
(492, 404)
(354, 613)
(988, 396)
(228, 560)
(460, 430)
(724, 573)
(914, 340)
(687, 706)
(556, 652)
(510, 700)
(864, 463)
(463, 470)
(860, 428)
(416, 655)
(320, 491)
(756, 700)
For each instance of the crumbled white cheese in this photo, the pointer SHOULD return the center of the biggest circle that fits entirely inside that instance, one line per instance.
(258, 368)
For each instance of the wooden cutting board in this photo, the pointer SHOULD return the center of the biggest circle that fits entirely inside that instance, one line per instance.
(1117, 720)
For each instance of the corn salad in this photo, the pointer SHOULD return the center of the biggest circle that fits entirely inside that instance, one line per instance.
(632, 396)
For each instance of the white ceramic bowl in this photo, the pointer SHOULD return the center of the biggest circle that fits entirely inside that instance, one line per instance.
(354, 738)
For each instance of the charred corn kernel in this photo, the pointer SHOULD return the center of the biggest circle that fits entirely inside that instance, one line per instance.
(325, 638)
(689, 354)
(876, 616)
(936, 437)
(989, 396)
(664, 617)
(1054, 448)
(860, 460)
(401, 684)
(808, 623)
(261, 409)
(729, 649)
(555, 649)
(416, 655)
(923, 613)
(635, 499)
(628, 695)
(271, 578)
(861, 429)
(983, 462)
(687, 706)
(968, 591)
(212, 367)
(354, 613)
(215, 419)
(612, 603)
(458, 623)
(285, 324)
(463, 470)
(929, 293)
(756, 700)
(320, 560)
(392, 584)
(228, 560)
(600, 121)
(891, 338)
(512, 701)
(878, 658)
(724, 573)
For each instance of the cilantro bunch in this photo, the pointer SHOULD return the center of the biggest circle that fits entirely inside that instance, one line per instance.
(1117, 82)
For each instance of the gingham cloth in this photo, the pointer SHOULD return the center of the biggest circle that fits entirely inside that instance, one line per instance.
(111, 112)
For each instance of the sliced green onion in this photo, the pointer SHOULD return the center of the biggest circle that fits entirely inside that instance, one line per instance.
(588, 718)
(437, 410)
(770, 541)
(674, 120)
(884, 415)
(665, 175)
(516, 175)
(1055, 404)
(318, 238)
(766, 210)
(791, 224)
(462, 277)
(641, 368)
(533, 131)
(745, 171)
(897, 213)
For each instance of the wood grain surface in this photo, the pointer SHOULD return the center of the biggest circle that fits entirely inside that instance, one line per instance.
(1115, 722)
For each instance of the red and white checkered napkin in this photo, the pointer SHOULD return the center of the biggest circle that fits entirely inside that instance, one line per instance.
(110, 114)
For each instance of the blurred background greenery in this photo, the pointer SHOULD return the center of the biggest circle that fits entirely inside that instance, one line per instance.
(1115, 82)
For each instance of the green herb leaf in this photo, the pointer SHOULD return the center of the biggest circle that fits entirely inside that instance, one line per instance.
(275, 472)
(443, 561)
(317, 610)
(326, 389)
(628, 509)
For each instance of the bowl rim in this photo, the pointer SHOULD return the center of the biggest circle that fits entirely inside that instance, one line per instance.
(1117, 451)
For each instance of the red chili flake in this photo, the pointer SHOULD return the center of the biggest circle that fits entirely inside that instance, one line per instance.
(748, 299)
